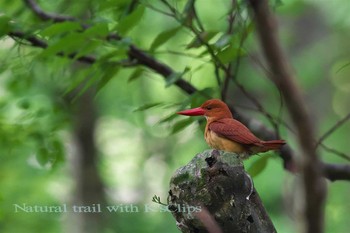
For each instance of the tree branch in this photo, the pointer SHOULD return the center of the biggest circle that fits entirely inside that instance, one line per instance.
(134, 52)
(314, 185)
(336, 152)
(36, 42)
(336, 171)
(47, 16)
(287, 153)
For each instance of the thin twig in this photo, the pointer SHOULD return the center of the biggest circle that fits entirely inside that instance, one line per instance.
(157, 10)
(336, 152)
(168, 51)
(231, 19)
(217, 62)
(171, 8)
(332, 129)
(198, 36)
(61, 18)
(194, 12)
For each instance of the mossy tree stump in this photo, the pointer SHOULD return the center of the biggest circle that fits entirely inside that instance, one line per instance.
(213, 193)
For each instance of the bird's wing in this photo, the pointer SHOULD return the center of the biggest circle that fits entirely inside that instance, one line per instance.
(233, 130)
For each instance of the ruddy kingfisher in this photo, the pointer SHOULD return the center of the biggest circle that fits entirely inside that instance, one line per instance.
(222, 132)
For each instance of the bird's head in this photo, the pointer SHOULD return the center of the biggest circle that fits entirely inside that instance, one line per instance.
(211, 109)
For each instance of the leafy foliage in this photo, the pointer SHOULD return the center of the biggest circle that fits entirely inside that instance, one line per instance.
(258, 166)
(45, 70)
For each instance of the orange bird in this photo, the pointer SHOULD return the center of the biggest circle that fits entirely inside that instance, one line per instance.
(222, 132)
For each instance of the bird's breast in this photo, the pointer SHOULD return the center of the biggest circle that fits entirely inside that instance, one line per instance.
(221, 143)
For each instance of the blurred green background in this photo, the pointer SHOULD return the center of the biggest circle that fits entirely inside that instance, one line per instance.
(48, 103)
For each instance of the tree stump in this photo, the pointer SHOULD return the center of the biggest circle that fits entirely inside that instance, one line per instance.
(213, 193)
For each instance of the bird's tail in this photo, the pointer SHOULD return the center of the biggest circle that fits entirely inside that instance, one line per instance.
(272, 145)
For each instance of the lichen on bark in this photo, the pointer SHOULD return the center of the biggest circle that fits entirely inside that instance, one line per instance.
(216, 182)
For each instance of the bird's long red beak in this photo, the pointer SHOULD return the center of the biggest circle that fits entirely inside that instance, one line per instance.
(192, 112)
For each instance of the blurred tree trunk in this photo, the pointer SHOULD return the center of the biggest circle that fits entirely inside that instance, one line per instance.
(89, 189)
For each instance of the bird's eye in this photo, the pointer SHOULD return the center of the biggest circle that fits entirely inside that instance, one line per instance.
(208, 108)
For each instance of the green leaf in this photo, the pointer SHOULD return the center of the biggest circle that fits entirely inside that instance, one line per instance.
(174, 77)
(147, 106)
(5, 26)
(127, 23)
(116, 55)
(342, 67)
(204, 36)
(60, 28)
(259, 165)
(42, 156)
(168, 118)
(57, 154)
(163, 37)
(98, 30)
(223, 41)
(78, 78)
(136, 74)
(24, 103)
(111, 5)
(248, 29)
(89, 82)
(230, 53)
(180, 125)
(111, 70)
(68, 44)
(198, 98)
(89, 47)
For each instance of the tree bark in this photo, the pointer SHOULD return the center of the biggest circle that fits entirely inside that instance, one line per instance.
(213, 193)
(89, 189)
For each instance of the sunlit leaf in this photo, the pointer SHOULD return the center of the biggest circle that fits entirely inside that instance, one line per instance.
(249, 29)
(110, 71)
(180, 125)
(127, 23)
(136, 74)
(223, 41)
(60, 28)
(204, 37)
(88, 48)
(259, 165)
(163, 37)
(230, 53)
(78, 79)
(174, 77)
(116, 55)
(24, 103)
(86, 85)
(57, 153)
(147, 106)
(4, 25)
(201, 96)
(42, 156)
(68, 44)
(343, 67)
(168, 118)
(98, 30)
